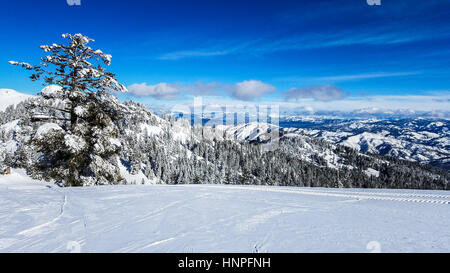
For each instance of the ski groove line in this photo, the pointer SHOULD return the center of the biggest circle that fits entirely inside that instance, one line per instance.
(386, 193)
(31, 230)
(317, 193)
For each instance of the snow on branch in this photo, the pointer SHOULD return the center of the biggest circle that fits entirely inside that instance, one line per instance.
(75, 66)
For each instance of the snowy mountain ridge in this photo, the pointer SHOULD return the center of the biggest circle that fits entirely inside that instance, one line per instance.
(420, 139)
(11, 97)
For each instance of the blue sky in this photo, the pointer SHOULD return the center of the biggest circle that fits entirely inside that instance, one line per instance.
(304, 52)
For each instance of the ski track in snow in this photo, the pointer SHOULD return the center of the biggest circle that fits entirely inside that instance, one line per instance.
(396, 194)
(355, 195)
(35, 230)
(220, 218)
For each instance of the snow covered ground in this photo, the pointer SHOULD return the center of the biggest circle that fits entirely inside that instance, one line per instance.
(41, 217)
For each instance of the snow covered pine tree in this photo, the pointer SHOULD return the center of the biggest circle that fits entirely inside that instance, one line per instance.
(77, 115)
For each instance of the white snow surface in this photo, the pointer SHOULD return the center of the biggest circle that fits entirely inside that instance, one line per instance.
(46, 128)
(151, 129)
(51, 90)
(372, 172)
(11, 97)
(138, 178)
(41, 217)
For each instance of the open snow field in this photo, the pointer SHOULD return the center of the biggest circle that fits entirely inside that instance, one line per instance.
(41, 217)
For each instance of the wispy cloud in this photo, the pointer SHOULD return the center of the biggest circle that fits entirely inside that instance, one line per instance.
(373, 37)
(381, 36)
(219, 48)
(193, 53)
(331, 24)
(367, 76)
(349, 77)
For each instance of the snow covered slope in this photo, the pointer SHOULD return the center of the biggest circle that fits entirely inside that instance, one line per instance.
(11, 97)
(40, 217)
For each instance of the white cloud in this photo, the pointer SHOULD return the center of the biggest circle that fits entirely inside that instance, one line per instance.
(251, 89)
(317, 92)
(160, 91)
(166, 91)
(246, 90)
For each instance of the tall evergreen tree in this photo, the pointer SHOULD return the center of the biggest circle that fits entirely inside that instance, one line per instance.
(77, 113)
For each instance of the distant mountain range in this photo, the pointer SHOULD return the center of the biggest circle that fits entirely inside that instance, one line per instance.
(424, 140)
(302, 151)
